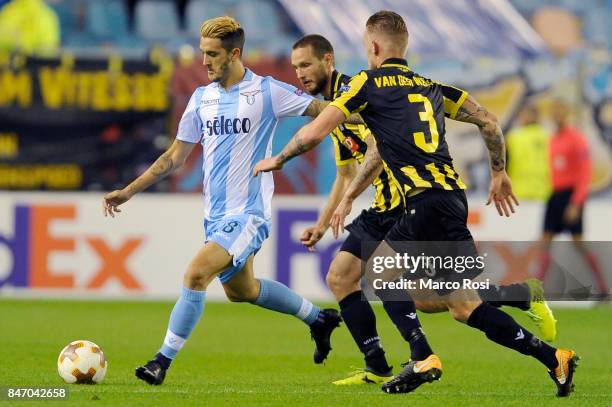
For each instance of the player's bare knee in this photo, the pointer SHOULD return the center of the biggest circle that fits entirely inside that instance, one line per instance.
(338, 281)
(197, 277)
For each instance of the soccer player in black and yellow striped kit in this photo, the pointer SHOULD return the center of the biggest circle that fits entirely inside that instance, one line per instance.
(312, 58)
(406, 113)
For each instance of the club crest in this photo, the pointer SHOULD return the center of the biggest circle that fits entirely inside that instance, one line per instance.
(250, 96)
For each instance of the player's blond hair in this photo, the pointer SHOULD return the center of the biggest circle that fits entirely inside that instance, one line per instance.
(391, 24)
(226, 29)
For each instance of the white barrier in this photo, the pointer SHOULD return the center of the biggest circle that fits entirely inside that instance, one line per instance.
(62, 245)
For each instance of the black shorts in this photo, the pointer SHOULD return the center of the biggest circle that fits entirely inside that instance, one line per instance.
(555, 210)
(369, 226)
(436, 215)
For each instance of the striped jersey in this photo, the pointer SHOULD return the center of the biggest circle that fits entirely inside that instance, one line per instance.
(350, 144)
(235, 128)
(405, 112)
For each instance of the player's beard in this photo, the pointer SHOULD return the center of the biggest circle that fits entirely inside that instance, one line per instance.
(320, 83)
(222, 72)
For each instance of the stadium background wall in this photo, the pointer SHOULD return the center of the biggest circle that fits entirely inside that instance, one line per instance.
(60, 245)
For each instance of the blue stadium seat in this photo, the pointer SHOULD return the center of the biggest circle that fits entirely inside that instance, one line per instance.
(67, 13)
(156, 20)
(261, 22)
(107, 19)
(259, 18)
(199, 11)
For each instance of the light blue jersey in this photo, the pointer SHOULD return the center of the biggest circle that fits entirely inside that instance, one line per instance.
(235, 129)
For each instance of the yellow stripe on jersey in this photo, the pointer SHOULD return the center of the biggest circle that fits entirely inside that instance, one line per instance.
(355, 86)
(451, 107)
(452, 174)
(399, 66)
(438, 177)
(335, 88)
(412, 173)
(396, 195)
(395, 186)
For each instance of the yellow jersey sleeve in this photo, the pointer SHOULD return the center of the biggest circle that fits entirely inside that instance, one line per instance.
(354, 98)
(453, 99)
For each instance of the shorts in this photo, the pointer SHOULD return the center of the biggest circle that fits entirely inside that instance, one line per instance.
(436, 221)
(240, 235)
(369, 226)
(555, 210)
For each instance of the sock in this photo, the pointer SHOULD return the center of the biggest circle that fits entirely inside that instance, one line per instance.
(502, 329)
(402, 311)
(360, 320)
(278, 297)
(184, 317)
(512, 295)
(544, 265)
(599, 277)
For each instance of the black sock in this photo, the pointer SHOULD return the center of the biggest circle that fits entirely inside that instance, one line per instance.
(360, 320)
(502, 329)
(401, 310)
(376, 362)
(512, 295)
(163, 361)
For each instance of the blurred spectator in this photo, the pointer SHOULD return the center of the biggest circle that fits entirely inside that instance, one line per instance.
(30, 26)
(528, 156)
(571, 176)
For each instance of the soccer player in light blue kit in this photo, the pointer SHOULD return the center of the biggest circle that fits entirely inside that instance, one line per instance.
(234, 119)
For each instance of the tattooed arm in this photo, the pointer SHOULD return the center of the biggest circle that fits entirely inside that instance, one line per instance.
(500, 188)
(316, 107)
(305, 139)
(168, 162)
(471, 112)
(370, 168)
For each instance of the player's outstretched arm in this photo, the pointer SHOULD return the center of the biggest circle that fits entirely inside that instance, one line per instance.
(344, 176)
(370, 169)
(500, 190)
(169, 161)
(317, 106)
(307, 138)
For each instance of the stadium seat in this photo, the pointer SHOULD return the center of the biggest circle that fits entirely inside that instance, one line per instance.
(199, 11)
(263, 27)
(259, 19)
(106, 19)
(67, 12)
(156, 20)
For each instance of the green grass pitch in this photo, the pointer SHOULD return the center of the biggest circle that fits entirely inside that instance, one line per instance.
(241, 355)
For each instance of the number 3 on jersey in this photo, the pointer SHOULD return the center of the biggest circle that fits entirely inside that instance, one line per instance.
(426, 116)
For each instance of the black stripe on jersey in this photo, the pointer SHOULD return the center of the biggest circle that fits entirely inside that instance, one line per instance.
(337, 80)
(452, 93)
(449, 180)
(386, 188)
